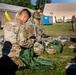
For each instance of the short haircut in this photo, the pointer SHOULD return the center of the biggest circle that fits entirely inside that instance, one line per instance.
(23, 10)
(39, 8)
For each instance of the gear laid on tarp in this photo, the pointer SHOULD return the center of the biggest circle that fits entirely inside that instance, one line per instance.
(38, 48)
(55, 45)
(35, 63)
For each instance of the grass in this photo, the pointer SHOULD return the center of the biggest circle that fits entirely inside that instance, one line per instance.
(58, 26)
(61, 60)
(64, 30)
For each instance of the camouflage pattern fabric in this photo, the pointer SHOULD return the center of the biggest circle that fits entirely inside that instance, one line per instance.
(10, 34)
(36, 15)
(35, 31)
(38, 48)
(51, 51)
(16, 33)
(23, 37)
(73, 22)
(74, 25)
(31, 28)
(37, 18)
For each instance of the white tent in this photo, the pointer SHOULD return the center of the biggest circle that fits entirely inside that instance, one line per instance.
(11, 9)
(60, 10)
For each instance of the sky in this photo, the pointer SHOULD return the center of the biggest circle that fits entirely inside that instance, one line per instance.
(56, 1)
(33, 2)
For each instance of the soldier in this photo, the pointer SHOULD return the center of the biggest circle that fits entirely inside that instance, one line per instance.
(22, 41)
(35, 30)
(0, 23)
(27, 54)
(14, 33)
(73, 22)
(37, 17)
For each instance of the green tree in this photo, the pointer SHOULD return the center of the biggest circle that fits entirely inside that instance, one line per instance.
(18, 2)
(24, 3)
(41, 3)
(1, 1)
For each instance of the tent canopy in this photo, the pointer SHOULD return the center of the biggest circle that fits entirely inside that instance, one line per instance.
(12, 8)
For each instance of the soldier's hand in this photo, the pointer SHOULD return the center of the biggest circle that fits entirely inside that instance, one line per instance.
(33, 38)
(33, 41)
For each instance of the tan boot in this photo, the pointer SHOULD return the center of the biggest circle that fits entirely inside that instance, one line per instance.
(18, 62)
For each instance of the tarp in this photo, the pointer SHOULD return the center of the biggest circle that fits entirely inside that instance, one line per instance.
(35, 63)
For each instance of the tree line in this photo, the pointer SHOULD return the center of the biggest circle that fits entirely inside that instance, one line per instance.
(27, 3)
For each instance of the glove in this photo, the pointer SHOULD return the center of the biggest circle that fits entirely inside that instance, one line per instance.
(32, 37)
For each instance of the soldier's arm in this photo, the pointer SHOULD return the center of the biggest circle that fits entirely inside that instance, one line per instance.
(38, 30)
(23, 40)
(39, 33)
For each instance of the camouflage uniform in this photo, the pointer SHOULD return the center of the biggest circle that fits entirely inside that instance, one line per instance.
(14, 32)
(74, 25)
(37, 18)
(35, 30)
(73, 22)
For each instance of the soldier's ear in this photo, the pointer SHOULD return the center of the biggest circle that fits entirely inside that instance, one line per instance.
(16, 16)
